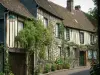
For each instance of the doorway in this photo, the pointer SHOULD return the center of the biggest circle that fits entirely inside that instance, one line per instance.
(82, 59)
(17, 63)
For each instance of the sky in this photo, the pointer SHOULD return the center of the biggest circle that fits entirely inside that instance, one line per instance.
(85, 4)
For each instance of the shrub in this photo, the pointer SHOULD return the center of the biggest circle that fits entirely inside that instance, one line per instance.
(59, 63)
(66, 65)
(37, 70)
(1, 73)
(10, 73)
(59, 66)
(53, 67)
(47, 68)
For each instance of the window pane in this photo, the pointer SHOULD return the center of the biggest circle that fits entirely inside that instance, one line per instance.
(89, 54)
(75, 52)
(81, 37)
(20, 26)
(91, 39)
(45, 22)
(56, 30)
(67, 34)
(68, 49)
(95, 54)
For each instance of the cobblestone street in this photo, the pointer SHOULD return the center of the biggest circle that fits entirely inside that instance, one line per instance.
(77, 71)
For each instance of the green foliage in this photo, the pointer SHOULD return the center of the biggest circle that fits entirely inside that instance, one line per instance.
(34, 37)
(1, 48)
(37, 70)
(61, 30)
(66, 65)
(92, 15)
(59, 63)
(26, 37)
(83, 47)
(47, 68)
(53, 67)
(1, 73)
(10, 73)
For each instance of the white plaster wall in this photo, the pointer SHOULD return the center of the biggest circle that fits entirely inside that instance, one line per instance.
(74, 36)
(11, 31)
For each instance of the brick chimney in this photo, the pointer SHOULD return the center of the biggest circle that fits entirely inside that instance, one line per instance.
(70, 5)
(78, 7)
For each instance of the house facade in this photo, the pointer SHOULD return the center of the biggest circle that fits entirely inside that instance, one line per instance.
(78, 30)
(11, 22)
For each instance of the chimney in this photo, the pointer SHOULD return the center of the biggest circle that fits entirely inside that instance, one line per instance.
(70, 5)
(78, 7)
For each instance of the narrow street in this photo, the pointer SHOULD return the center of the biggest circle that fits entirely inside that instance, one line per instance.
(78, 71)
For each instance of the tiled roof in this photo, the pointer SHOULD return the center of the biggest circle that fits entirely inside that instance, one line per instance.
(17, 7)
(74, 19)
(45, 5)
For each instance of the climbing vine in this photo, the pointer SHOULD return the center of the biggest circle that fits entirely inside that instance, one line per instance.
(34, 38)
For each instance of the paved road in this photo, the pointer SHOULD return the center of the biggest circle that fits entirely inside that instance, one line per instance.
(79, 71)
(83, 71)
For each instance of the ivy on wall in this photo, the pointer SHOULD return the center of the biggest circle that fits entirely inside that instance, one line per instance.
(34, 38)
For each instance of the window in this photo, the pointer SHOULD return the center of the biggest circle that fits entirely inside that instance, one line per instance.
(89, 54)
(20, 26)
(45, 22)
(81, 37)
(68, 49)
(91, 39)
(95, 54)
(57, 33)
(60, 51)
(14, 26)
(67, 34)
(47, 53)
(75, 52)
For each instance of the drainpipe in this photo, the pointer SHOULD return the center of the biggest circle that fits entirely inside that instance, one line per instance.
(4, 50)
(98, 32)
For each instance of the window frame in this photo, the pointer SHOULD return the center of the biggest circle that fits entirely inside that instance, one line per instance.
(81, 34)
(45, 22)
(18, 26)
(68, 50)
(67, 34)
(92, 39)
(57, 31)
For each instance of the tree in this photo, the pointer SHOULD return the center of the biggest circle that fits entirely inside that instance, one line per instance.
(92, 14)
(33, 38)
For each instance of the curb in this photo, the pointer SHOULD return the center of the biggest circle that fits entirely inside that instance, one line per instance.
(50, 73)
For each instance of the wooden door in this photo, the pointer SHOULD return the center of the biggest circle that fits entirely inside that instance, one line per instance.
(82, 58)
(17, 63)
